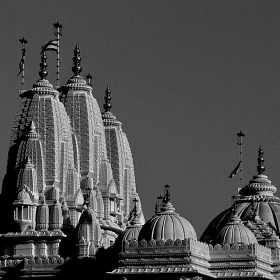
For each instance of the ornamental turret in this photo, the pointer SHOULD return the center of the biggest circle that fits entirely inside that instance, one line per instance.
(56, 218)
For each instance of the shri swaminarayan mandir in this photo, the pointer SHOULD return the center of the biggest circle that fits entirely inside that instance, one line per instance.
(72, 208)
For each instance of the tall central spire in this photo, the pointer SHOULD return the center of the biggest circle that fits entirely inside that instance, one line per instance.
(107, 105)
(77, 69)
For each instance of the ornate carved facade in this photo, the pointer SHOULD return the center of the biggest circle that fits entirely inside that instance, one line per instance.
(71, 208)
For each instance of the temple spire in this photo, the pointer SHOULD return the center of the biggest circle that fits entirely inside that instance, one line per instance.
(107, 105)
(43, 65)
(77, 69)
(260, 166)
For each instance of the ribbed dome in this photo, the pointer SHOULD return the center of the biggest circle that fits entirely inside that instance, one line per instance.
(256, 198)
(167, 225)
(131, 232)
(234, 232)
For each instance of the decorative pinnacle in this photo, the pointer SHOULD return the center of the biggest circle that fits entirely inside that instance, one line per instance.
(32, 126)
(166, 197)
(43, 73)
(260, 167)
(233, 207)
(134, 212)
(89, 77)
(77, 69)
(107, 106)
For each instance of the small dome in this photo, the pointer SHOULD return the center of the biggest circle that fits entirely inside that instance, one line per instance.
(23, 195)
(167, 225)
(131, 232)
(235, 232)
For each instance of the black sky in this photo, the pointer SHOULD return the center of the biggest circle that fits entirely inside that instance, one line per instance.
(185, 77)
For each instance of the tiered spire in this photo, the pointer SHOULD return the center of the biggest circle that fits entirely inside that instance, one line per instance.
(107, 105)
(260, 166)
(77, 69)
(107, 116)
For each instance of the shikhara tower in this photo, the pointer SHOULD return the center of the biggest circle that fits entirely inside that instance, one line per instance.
(70, 207)
(69, 185)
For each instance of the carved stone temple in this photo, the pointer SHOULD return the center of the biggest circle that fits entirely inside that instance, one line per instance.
(70, 206)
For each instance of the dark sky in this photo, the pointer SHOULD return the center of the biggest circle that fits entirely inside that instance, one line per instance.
(185, 77)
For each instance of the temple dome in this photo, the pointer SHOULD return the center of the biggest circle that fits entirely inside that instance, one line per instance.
(235, 232)
(167, 225)
(256, 198)
(130, 233)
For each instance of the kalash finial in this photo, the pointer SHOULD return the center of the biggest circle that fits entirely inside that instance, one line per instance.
(260, 167)
(77, 69)
(43, 73)
(134, 219)
(166, 204)
(107, 106)
(166, 197)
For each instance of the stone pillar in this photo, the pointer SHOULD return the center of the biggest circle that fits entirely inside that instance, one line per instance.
(33, 216)
(55, 247)
(43, 248)
(106, 201)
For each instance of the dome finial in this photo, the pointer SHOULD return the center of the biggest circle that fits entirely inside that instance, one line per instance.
(260, 166)
(233, 207)
(166, 197)
(43, 66)
(77, 69)
(134, 219)
(166, 204)
(107, 105)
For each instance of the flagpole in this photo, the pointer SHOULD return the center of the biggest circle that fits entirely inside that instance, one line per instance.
(57, 32)
(240, 143)
(23, 42)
